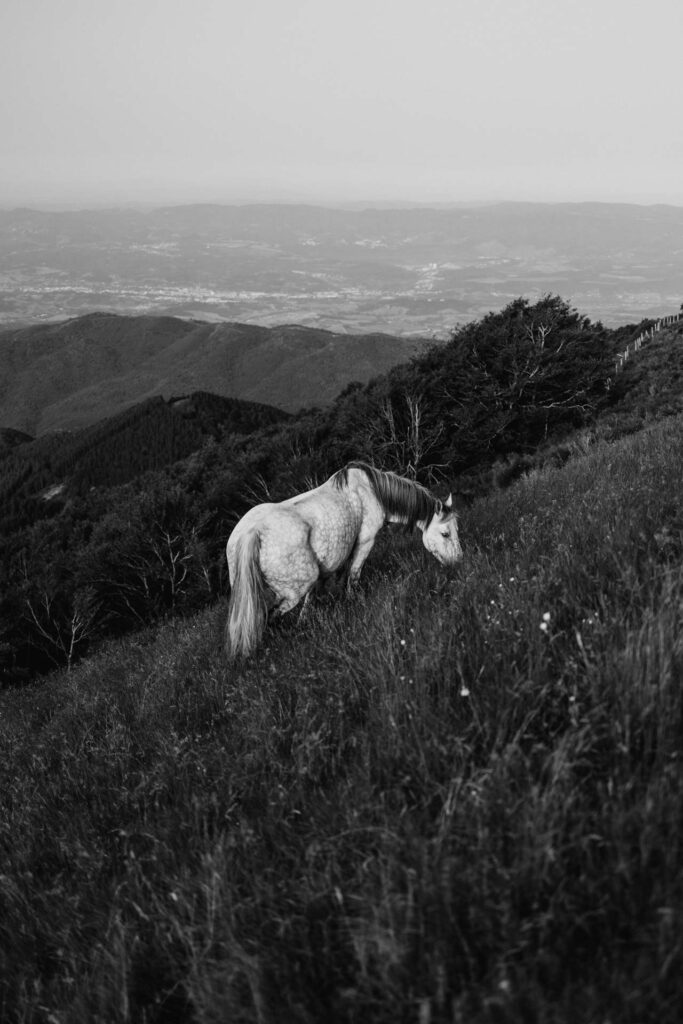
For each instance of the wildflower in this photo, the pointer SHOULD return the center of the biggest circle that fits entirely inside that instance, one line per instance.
(464, 692)
(546, 616)
(402, 642)
(544, 627)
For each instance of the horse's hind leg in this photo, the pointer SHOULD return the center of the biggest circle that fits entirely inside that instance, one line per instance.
(291, 598)
(289, 565)
(294, 591)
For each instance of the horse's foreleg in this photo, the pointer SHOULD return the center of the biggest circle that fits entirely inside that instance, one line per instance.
(360, 553)
(305, 607)
(334, 584)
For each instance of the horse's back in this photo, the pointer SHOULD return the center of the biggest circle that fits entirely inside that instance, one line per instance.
(335, 518)
(316, 531)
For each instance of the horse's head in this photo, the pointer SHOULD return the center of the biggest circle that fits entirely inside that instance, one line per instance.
(440, 537)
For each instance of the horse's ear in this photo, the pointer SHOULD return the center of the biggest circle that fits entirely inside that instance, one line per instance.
(448, 503)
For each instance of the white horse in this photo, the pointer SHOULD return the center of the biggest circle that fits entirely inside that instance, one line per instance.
(279, 550)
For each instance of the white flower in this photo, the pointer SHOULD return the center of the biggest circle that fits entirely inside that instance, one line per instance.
(464, 692)
(546, 616)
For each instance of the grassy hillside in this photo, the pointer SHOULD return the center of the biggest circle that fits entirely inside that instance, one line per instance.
(651, 382)
(69, 375)
(449, 797)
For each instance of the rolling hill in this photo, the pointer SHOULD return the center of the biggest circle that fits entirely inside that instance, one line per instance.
(71, 374)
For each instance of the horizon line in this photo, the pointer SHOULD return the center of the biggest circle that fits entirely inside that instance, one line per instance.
(92, 204)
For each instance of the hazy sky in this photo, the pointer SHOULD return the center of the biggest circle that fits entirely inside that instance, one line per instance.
(172, 100)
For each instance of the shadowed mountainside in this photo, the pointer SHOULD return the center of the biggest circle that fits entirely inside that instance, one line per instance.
(10, 438)
(148, 436)
(68, 375)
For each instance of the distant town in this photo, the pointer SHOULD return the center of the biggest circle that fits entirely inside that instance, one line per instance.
(404, 271)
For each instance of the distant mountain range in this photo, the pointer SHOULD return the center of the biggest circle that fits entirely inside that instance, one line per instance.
(69, 375)
(401, 271)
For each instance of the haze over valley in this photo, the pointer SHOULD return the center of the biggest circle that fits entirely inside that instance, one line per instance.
(405, 270)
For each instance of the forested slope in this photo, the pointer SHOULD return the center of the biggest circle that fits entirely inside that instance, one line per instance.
(38, 475)
(69, 375)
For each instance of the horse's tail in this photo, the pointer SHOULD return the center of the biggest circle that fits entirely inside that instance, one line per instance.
(247, 608)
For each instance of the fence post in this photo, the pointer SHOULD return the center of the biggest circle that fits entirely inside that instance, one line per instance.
(649, 332)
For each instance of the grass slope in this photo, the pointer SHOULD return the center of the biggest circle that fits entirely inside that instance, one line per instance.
(651, 382)
(450, 797)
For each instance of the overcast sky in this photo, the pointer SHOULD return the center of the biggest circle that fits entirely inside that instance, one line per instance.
(322, 100)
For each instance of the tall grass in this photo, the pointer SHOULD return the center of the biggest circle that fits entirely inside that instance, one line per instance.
(453, 796)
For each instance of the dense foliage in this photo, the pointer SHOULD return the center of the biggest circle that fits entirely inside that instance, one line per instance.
(83, 558)
(146, 437)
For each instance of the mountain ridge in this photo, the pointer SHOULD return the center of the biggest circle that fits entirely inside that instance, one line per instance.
(73, 373)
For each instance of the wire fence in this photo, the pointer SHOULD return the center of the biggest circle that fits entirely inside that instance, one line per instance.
(646, 335)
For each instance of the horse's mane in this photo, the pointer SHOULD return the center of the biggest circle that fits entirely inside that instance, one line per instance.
(397, 495)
